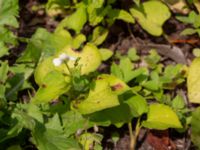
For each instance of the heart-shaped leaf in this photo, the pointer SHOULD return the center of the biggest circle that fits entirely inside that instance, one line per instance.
(89, 60)
(151, 15)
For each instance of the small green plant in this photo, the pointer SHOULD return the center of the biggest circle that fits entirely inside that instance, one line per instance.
(67, 99)
(193, 19)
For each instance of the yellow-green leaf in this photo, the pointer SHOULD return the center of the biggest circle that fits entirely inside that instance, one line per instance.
(75, 21)
(105, 53)
(117, 85)
(53, 85)
(90, 59)
(151, 15)
(161, 117)
(99, 98)
(193, 81)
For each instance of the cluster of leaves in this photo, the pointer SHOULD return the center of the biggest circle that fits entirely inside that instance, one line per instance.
(194, 19)
(8, 12)
(74, 97)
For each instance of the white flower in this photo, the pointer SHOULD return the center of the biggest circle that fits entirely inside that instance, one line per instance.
(72, 58)
(62, 57)
(57, 62)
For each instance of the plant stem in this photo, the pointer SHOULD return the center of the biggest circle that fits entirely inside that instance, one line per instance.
(68, 68)
(133, 137)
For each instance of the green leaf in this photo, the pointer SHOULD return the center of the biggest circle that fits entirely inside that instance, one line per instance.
(127, 71)
(2, 95)
(95, 4)
(15, 84)
(196, 23)
(78, 40)
(117, 85)
(172, 71)
(96, 15)
(79, 82)
(137, 2)
(99, 35)
(52, 137)
(184, 19)
(88, 139)
(151, 20)
(99, 98)
(89, 58)
(138, 105)
(73, 121)
(53, 85)
(115, 137)
(9, 12)
(188, 31)
(19, 81)
(7, 36)
(20, 120)
(44, 44)
(3, 49)
(75, 21)
(193, 81)
(105, 53)
(198, 31)
(192, 18)
(132, 54)
(117, 116)
(121, 15)
(152, 59)
(152, 85)
(34, 111)
(55, 7)
(41, 70)
(161, 117)
(178, 102)
(116, 70)
(195, 134)
(3, 72)
(89, 61)
(8, 39)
